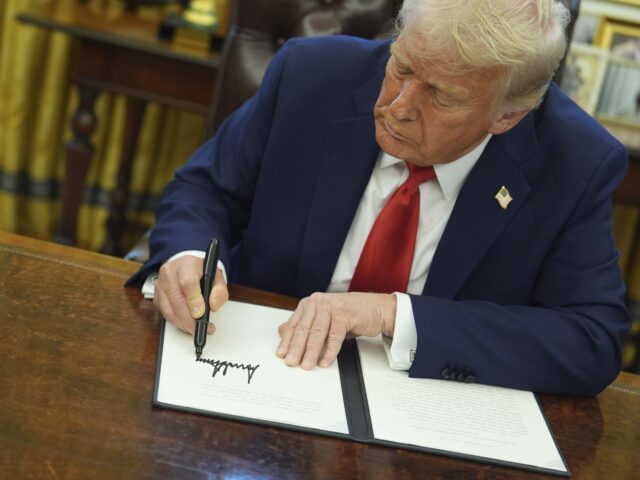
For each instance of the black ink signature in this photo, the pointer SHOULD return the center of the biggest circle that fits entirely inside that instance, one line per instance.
(220, 365)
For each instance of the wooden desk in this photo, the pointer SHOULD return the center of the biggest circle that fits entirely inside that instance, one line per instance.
(123, 55)
(77, 368)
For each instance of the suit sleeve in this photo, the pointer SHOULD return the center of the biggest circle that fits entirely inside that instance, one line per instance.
(211, 194)
(568, 340)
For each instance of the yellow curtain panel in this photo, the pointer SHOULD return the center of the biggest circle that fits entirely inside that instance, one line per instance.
(36, 104)
(37, 101)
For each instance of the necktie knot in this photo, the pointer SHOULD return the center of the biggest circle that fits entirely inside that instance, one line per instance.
(417, 176)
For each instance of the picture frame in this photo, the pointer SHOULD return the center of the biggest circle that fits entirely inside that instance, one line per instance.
(585, 69)
(619, 103)
(619, 38)
(635, 3)
(619, 100)
(585, 28)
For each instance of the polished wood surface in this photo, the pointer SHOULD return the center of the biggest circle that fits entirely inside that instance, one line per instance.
(119, 52)
(77, 369)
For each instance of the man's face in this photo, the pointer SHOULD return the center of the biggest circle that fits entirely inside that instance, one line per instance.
(426, 116)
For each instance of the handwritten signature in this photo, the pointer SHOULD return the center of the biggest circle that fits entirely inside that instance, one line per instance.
(219, 365)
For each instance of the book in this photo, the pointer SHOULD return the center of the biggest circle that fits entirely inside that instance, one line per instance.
(358, 398)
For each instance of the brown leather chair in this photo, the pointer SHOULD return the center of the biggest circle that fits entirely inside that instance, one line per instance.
(574, 9)
(260, 27)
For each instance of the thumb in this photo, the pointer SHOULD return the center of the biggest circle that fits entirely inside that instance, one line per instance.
(219, 292)
(195, 302)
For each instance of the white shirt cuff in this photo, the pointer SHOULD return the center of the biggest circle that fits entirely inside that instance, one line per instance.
(402, 347)
(148, 288)
(198, 254)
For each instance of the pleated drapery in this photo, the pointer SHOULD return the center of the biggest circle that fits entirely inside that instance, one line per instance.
(36, 105)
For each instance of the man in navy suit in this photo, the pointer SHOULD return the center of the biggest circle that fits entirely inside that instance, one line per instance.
(508, 271)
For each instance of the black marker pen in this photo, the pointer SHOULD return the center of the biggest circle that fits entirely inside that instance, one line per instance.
(206, 285)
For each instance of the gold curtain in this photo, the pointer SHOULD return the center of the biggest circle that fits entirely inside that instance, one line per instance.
(37, 101)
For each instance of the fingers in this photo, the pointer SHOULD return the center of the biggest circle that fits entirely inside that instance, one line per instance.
(316, 339)
(298, 344)
(334, 342)
(193, 295)
(286, 330)
(311, 330)
(219, 292)
(177, 292)
(161, 302)
(219, 296)
(314, 334)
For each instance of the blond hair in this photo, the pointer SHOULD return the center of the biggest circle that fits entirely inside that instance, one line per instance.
(525, 38)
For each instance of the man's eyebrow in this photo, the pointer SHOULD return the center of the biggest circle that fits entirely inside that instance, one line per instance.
(397, 55)
(457, 93)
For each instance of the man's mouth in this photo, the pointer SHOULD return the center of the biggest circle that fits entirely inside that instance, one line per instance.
(392, 132)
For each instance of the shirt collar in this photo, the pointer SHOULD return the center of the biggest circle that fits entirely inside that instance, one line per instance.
(451, 176)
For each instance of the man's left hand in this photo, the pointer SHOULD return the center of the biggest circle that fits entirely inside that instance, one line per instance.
(315, 332)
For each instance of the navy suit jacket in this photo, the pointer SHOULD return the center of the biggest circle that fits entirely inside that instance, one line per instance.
(528, 297)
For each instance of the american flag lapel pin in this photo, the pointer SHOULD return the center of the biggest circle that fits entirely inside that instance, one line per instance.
(503, 197)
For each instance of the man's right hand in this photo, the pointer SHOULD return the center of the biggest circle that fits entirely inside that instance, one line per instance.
(177, 292)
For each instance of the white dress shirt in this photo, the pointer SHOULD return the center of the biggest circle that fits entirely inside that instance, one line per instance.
(437, 198)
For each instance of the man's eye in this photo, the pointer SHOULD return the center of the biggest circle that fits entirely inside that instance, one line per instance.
(441, 98)
(444, 102)
(403, 70)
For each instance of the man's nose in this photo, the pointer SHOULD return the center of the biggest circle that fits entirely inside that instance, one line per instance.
(404, 106)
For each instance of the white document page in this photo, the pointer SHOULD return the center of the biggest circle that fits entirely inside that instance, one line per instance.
(479, 420)
(239, 373)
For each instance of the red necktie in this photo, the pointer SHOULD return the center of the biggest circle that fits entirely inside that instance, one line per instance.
(385, 261)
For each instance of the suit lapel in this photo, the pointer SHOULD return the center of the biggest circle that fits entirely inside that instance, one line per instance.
(342, 179)
(477, 218)
(350, 153)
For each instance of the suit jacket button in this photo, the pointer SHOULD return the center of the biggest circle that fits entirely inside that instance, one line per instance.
(470, 379)
(446, 373)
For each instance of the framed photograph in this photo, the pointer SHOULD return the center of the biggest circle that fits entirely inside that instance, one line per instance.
(629, 2)
(584, 73)
(619, 104)
(621, 39)
(620, 95)
(585, 28)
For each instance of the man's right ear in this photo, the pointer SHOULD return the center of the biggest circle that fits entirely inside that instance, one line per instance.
(507, 121)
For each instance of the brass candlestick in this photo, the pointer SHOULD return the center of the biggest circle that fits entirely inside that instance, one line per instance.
(203, 24)
(201, 14)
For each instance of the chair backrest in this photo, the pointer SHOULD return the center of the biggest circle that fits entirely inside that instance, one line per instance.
(574, 9)
(260, 27)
